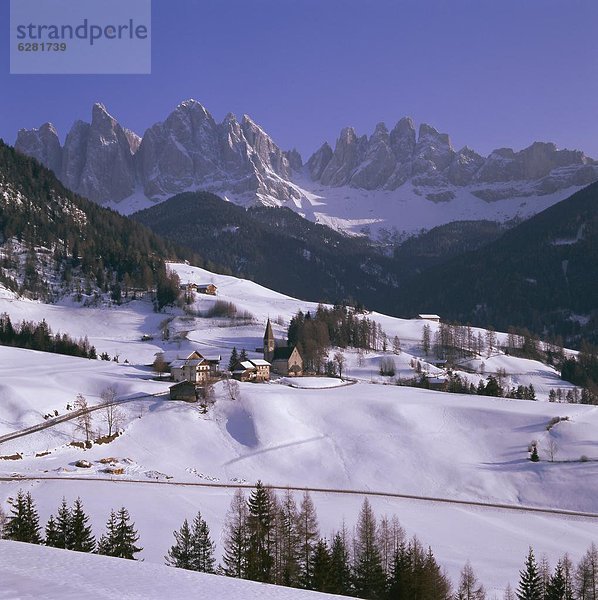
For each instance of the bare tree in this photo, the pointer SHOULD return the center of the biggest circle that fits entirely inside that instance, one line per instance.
(469, 587)
(232, 388)
(396, 345)
(491, 342)
(360, 357)
(339, 360)
(552, 449)
(206, 395)
(426, 339)
(509, 593)
(84, 419)
(112, 415)
(160, 365)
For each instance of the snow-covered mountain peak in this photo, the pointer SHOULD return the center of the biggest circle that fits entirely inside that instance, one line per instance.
(238, 159)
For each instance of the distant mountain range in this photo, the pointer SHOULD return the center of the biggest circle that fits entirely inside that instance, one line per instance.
(238, 160)
(542, 274)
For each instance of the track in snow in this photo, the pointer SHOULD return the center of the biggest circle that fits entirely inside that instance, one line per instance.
(433, 499)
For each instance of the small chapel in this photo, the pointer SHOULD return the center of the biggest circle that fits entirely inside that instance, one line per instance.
(285, 360)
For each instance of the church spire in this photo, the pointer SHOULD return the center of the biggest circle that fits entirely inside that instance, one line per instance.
(268, 342)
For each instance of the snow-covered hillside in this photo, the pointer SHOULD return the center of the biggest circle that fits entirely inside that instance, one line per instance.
(343, 440)
(28, 571)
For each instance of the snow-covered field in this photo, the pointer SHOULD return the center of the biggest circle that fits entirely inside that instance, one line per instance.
(357, 438)
(28, 571)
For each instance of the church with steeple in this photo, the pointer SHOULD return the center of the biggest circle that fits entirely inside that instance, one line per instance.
(285, 360)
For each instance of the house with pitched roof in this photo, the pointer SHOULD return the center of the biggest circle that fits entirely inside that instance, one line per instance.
(195, 368)
(254, 369)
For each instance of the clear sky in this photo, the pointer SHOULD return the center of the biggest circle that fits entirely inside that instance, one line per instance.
(490, 73)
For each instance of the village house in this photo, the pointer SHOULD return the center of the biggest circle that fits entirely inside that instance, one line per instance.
(189, 286)
(184, 391)
(256, 370)
(285, 360)
(195, 368)
(433, 318)
(207, 288)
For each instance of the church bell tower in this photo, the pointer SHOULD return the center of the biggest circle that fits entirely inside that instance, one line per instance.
(268, 343)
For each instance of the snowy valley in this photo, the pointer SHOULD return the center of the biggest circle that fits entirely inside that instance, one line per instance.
(413, 452)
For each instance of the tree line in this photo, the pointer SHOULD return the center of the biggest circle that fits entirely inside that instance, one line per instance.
(453, 342)
(340, 326)
(39, 336)
(273, 539)
(70, 528)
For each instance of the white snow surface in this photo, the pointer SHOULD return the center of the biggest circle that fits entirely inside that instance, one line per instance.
(362, 437)
(28, 571)
(405, 210)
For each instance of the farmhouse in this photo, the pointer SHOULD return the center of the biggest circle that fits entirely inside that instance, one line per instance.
(184, 390)
(195, 368)
(433, 318)
(252, 370)
(285, 360)
(207, 288)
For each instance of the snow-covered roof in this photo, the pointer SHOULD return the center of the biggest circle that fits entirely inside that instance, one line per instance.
(260, 362)
(246, 364)
(429, 317)
(213, 358)
(177, 364)
(194, 362)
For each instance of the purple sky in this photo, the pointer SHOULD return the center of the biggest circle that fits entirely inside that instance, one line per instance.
(490, 73)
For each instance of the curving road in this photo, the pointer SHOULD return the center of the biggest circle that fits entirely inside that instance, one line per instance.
(73, 415)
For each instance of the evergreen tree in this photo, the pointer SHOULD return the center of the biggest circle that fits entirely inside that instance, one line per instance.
(236, 537)
(234, 359)
(63, 526)
(308, 532)
(435, 583)
(81, 536)
(23, 522)
(321, 576)
(51, 538)
(469, 587)
(260, 522)
(557, 588)
(243, 356)
(181, 553)
(202, 557)
(368, 574)
(120, 537)
(106, 545)
(400, 577)
(340, 569)
(529, 581)
(288, 541)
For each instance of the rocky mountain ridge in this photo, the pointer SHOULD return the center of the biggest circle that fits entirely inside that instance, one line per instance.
(387, 160)
(191, 151)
